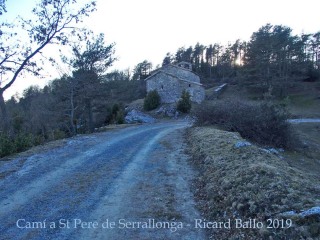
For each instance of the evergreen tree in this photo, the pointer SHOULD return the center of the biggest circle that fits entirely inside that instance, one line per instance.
(184, 104)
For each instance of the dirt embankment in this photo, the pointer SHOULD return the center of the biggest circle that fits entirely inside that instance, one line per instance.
(244, 184)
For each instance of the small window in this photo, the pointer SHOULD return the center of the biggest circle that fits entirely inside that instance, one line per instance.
(189, 85)
(161, 86)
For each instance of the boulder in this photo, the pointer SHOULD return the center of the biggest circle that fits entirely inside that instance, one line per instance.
(135, 116)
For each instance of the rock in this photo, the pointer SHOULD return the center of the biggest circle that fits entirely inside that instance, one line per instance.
(220, 88)
(241, 144)
(311, 211)
(168, 110)
(303, 214)
(135, 116)
(304, 120)
(288, 214)
(161, 110)
(272, 150)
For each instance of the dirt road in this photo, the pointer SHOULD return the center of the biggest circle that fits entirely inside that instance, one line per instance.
(132, 183)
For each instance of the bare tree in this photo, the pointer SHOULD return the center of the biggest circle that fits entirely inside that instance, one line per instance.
(54, 22)
(2, 6)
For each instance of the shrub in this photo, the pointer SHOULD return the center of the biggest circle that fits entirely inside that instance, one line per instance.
(23, 142)
(18, 143)
(6, 145)
(313, 75)
(59, 134)
(151, 101)
(119, 117)
(184, 104)
(264, 123)
(115, 108)
(115, 115)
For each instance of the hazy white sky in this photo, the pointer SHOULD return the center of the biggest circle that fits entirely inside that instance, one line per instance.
(148, 29)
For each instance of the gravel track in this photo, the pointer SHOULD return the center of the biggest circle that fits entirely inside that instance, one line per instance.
(132, 176)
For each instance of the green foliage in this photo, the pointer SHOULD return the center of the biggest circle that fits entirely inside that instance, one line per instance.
(122, 90)
(18, 143)
(96, 57)
(313, 75)
(38, 140)
(273, 56)
(142, 70)
(115, 108)
(184, 104)
(115, 115)
(264, 123)
(167, 60)
(151, 101)
(23, 142)
(119, 117)
(58, 134)
(6, 145)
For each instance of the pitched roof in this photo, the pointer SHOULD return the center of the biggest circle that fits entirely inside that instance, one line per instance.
(176, 66)
(172, 75)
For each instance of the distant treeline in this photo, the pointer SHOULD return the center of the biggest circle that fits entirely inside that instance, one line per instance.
(273, 56)
(273, 59)
(66, 107)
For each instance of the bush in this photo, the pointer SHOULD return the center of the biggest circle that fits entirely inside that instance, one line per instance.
(23, 142)
(6, 146)
(59, 134)
(115, 109)
(18, 143)
(119, 119)
(313, 75)
(151, 101)
(264, 123)
(184, 104)
(115, 114)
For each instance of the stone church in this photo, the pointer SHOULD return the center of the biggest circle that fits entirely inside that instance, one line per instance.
(170, 80)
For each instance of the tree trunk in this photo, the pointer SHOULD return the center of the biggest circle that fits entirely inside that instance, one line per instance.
(90, 117)
(73, 127)
(5, 123)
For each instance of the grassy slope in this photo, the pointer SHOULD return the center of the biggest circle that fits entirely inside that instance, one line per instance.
(303, 98)
(249, 183)
(255, 184)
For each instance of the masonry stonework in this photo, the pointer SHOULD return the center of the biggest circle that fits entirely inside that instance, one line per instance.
(171, 80)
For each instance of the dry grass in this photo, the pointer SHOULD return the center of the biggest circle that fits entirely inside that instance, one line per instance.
(307, 157)
(248, 183)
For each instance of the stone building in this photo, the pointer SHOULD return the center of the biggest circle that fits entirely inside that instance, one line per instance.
(171, 80)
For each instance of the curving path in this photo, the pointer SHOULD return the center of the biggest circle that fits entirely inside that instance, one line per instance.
(132, 183)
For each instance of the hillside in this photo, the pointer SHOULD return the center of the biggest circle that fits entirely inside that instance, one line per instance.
(303, 98)
(239, 181)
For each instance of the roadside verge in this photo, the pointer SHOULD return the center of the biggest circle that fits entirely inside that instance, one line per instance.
(255, 189)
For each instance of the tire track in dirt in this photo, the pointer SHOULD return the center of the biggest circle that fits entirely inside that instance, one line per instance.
(132, 173)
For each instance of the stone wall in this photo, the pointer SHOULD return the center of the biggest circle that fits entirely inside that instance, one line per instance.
(167, 86)
(170, 87)
(182, 73)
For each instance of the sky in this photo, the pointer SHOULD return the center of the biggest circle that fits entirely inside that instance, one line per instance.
(148, 29)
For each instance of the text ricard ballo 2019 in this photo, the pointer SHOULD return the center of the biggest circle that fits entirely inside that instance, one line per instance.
(173, 226)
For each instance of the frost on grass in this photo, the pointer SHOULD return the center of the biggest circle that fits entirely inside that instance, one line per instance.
(239, 180)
